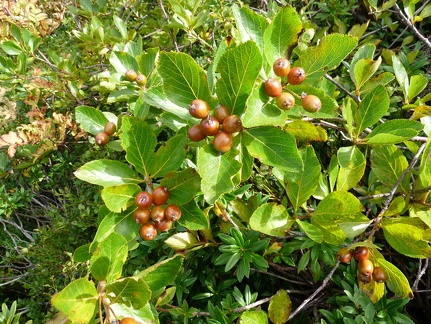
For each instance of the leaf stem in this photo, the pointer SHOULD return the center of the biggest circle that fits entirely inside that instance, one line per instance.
(347, 92)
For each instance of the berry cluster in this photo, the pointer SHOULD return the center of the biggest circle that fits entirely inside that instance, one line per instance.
(366, 267)
(221, 125)
(132, 76)
(295, 76)
(103, 137)
(152, 213)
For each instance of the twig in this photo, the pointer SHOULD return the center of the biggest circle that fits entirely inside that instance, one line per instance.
(421, 272)
(328, 77)
(318, 290)
(412, 27)
(388, 200)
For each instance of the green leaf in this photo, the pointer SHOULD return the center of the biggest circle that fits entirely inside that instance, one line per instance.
(162, 273)
(313, 232)
(129, 291)
(424, 177)
(301, 184)
(388, 163)
(407, 236)
(364, 69)
(352, 167)
(182, 241)
(423, 212)
(261, 111)
(82, 253)
(168, 157)
(393, 131)
(271, 219)
(144, 314)
(239, 68)
(417, 84)
(183, 79)
(109, 257)
(192, 217)
(183, 185)
(78, 300)
(326, 56)
(107, 173)
(90, 119)
(122, 61)
(218, 172)
(306, 132)
(121, 26)
(373, 107)
(397, 281)
(364, 52)
(250, 25)
(401, 75)
(273, 146)
(254, 317)
(147, 62)
(280, 307)
(139, 142)
(281, 33)
(11, 48)
(117, 198)
(121, 223)
(157, 98)
(382, 79)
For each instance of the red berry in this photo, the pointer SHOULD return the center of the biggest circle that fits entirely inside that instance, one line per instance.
(344, 255)
(221, 112)
(141, 80)
(222, 142)
(232, 124)
(296, 75)
(199, 108)
(281, 67)
(143, 199)
(163, 225)
(310, 103)
(272, 87)
(101, 139)
(210, 126)
(195, 133)
(131, 75)
(148, 231)
(379, 275)
(361, 253)
(285, 101)
(110, 128)
(172, 213)
(141, 215)
(157, 213)
(365, 267)
(160, 195)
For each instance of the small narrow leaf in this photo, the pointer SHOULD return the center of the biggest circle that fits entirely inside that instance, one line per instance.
(401, 74)
(239, 68)
(107, 173)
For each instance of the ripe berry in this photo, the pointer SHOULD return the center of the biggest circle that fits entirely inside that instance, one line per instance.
(110, 128)
(222, 142)
(141, 215)
(160, 195)
(221, 112)
(163, 225)
(361, 253)
(364, 278)
(101, 139)
(232, 124)
(296, 75)
(365, 267)
(141, 80)
(281, 67)
(143, 199)
(148, 231)
(129, 320)
(199, 108)
(310, 103)
(195, 133)
(131, 75)
(344, 255)
(210, 126)
(272, 87)
(285, 101)
(379, 275)
(172, 213)
(157, 213)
